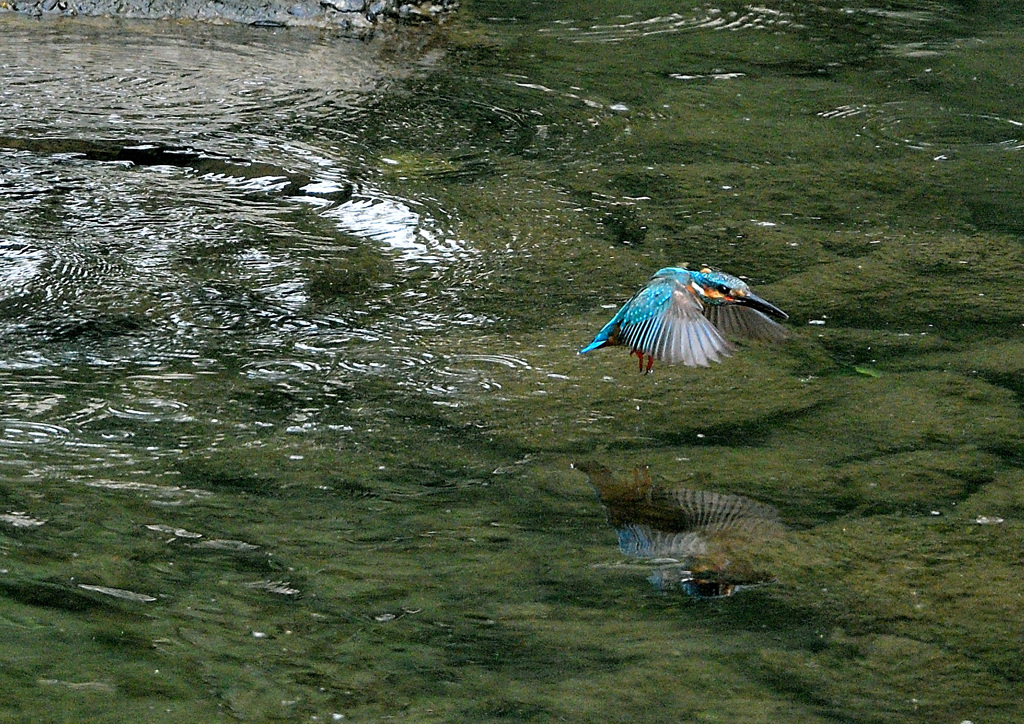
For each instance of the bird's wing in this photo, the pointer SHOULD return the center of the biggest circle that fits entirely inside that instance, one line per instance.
(740, 322)
(666, 321)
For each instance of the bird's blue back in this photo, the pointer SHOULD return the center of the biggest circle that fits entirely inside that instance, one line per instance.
(656, 296)
(650, 302)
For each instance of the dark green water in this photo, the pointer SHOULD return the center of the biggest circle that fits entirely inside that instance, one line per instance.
(287, 425)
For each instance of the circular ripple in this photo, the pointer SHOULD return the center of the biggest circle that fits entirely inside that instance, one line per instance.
(18, 432)
(152, 410)
(634, 26)
(929, 128)
(279, 369)
(505, 360)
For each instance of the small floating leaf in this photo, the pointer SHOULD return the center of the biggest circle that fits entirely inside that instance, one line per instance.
(118, 593)
(988, 520)
(20, 519)
(78, 685)
(283, 588)
(219, 544)
(176, 532)
(867, 371)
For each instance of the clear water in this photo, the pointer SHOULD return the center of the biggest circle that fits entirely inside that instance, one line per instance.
(290, 401)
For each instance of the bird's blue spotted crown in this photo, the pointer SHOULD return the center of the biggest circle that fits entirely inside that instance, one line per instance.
(707, 281)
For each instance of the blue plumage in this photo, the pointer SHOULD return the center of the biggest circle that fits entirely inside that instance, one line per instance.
(686, 316)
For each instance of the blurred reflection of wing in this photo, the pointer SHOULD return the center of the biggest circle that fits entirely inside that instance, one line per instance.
(642, 541)
(714, 512)
(676, 509)
(713, 539)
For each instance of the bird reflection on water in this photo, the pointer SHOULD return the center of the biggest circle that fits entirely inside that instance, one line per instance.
(702, 542)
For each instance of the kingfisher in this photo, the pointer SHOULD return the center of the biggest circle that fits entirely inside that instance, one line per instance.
(685, 316)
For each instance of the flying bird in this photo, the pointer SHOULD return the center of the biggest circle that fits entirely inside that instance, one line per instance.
(688, 316)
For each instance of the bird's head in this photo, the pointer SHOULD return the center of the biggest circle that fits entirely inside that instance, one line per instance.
(715, 287)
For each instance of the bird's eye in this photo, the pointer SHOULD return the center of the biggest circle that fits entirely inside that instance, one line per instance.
(722, 288)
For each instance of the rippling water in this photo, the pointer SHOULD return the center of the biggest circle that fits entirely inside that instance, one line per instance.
(630, 25)
(290, 389)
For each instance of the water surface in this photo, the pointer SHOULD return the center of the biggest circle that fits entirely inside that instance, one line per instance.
(289, 326)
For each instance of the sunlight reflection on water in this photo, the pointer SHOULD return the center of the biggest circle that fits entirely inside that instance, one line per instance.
(151, 250)
(394, 222)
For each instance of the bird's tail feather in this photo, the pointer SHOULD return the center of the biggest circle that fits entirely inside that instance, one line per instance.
(596, 344)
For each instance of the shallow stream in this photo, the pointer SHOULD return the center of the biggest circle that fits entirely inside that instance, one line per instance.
(291, 399)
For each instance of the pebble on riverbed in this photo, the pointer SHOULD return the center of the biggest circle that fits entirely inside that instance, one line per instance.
(352, 15)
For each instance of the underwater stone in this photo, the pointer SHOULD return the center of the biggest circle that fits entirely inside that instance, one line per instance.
(350, 15)
(345, 6)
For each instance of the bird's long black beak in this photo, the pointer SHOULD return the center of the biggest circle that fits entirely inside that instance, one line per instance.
(755, 302)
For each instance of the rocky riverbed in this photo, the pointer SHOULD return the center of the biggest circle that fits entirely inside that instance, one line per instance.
(351, 15)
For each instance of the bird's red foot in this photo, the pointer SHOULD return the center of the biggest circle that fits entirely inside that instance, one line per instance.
(640, 361)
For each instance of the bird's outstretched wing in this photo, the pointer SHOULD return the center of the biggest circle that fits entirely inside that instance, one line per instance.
(666, 321)
(739, 322)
